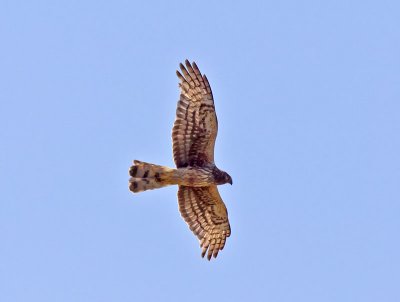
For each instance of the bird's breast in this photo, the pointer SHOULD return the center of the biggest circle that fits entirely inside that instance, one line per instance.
(195, 176)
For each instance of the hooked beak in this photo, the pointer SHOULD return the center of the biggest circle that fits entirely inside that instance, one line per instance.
(230, 181)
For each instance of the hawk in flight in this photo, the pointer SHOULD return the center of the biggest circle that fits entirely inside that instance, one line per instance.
(193, 135)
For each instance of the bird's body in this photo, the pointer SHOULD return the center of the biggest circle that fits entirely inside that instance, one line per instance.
(145, 173)
(193, 134)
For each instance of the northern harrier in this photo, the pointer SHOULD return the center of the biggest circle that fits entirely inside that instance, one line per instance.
(193, 135)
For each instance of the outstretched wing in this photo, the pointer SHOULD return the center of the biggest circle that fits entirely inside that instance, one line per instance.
(195, 128)
(207, 217)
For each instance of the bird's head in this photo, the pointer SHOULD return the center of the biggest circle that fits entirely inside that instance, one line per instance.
(225, 178)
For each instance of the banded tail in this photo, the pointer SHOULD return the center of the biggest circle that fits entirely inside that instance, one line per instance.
(145, 176)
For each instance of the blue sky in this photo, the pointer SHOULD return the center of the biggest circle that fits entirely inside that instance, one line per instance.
(307, 95)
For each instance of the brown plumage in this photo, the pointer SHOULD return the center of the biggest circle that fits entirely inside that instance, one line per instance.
(193, 136)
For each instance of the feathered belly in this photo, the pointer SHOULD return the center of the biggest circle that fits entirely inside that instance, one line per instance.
(195, 177)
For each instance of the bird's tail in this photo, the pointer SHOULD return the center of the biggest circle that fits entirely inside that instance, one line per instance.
(145, 176)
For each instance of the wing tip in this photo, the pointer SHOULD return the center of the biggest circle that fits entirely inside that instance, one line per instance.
(211, 252)
(180, 76)
(192, 65)
(203, 252)
(195, 66)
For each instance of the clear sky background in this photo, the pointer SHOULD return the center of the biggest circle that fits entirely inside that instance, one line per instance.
(308, 100)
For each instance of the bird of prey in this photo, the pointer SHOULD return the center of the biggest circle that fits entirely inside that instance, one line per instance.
(193, 135)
